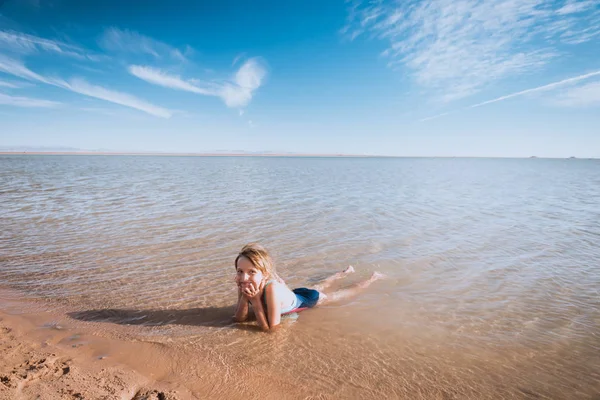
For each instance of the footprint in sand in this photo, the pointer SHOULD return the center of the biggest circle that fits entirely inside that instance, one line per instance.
(35, 370)
(149, 394)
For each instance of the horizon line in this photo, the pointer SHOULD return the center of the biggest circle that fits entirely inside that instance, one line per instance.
(258, 154)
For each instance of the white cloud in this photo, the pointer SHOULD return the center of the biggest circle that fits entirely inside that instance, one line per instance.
(250, 75)
(9, 85)
(435, 117)
(574, 6)
(582, 96)
(82, 87)
(161, 78)
(26, 44)
(457, 47)
(16, 68)
(235, 93)
(549, 86)
(238, 58)
(248, 78)
(26, 102)
(126, 41)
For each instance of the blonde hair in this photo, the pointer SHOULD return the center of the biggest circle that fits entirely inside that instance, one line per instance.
(260, 258)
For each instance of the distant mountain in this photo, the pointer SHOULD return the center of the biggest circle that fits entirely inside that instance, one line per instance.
(222, 151)
(40, 149)
(67, 149)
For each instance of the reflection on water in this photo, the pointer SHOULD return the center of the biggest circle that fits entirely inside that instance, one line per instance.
(493, 286)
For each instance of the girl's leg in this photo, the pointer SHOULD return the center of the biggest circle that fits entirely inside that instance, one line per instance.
(327, 282)
(345, 293)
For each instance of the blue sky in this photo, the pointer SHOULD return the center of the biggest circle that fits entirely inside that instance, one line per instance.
(510, 78)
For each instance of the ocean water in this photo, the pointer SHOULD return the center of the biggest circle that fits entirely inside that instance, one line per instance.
(492, 268)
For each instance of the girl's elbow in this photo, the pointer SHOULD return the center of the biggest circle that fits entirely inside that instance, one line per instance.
(240, 318)
(274, 325)
(273, 328)
(268, 327)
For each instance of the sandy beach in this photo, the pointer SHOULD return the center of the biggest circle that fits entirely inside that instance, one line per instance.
(47, 354)
(53, 363)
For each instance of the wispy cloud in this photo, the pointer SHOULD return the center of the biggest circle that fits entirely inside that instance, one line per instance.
(235, 93)
(248, 78)
(16, 68)
(126, 41)
(583, 95)
(162, 78)
(435, 116)
(457, 47)
(22, 43)
(82, 87)
(575, 6)
(26, 102)
(549, 86)
(237, 58)
(9, 85)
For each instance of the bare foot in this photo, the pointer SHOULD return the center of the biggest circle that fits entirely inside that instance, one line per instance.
(377, 275)
(349, 270)
(338, 275)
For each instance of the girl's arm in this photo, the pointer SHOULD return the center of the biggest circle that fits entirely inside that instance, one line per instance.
(273, 305)
(273, 309)
(241, 312)
(259, 312)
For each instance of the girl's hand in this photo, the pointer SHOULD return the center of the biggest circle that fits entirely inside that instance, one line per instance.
(250, 291)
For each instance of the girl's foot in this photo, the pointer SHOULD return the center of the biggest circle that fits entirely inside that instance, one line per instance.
(377, 275)
(338, 275)
(373, 278)
(351, 291)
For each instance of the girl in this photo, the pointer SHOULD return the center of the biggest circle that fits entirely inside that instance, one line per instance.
(259, 285)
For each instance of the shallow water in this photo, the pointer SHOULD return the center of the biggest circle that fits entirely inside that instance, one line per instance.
(492, 289)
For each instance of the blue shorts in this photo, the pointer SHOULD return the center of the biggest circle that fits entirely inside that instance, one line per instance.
(307, 298)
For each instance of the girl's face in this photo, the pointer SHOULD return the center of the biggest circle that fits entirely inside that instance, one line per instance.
(247, 273)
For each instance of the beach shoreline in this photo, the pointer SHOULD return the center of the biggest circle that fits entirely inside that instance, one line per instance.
(43, 359)
(47, 355)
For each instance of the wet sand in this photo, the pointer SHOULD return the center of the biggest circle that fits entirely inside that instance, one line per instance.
(48, 354)
(54, 364)
(52, 353)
